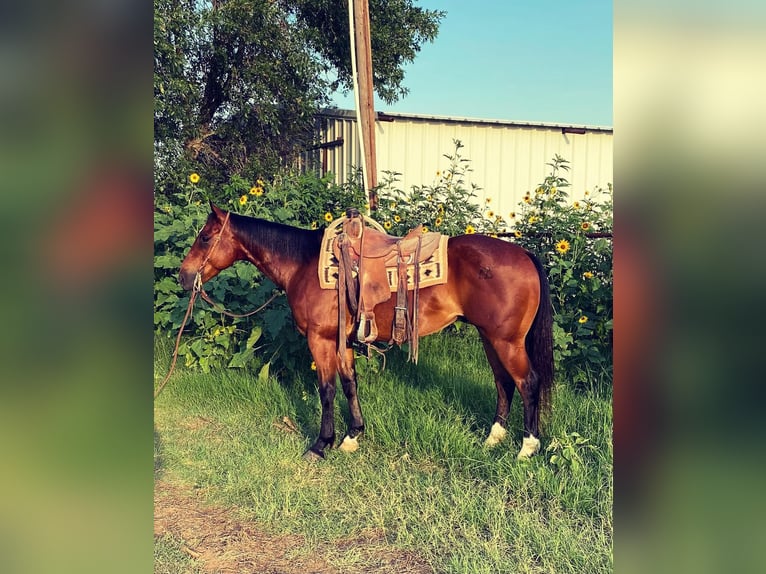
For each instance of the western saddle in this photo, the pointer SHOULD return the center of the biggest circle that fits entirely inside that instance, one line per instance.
(365, 255)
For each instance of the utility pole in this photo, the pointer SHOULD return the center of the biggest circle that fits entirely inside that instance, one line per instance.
(361, 66)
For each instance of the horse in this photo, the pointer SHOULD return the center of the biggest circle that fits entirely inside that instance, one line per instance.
(495, 285)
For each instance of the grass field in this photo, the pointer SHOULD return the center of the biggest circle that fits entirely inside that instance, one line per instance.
(422, 484)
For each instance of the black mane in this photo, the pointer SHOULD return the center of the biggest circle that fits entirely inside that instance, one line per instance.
(297, 244)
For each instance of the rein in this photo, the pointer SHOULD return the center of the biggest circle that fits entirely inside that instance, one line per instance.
(198, 290)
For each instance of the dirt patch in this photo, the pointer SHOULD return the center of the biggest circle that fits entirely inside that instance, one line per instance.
(222, 544)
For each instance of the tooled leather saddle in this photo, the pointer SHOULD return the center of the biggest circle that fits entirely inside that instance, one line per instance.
(370, 264)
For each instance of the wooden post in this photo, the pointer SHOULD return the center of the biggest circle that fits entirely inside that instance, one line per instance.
(365, 107)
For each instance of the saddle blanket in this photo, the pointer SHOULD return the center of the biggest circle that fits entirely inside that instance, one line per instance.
(433, 271)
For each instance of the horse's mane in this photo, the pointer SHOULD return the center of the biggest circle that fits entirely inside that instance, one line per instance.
(291, 242)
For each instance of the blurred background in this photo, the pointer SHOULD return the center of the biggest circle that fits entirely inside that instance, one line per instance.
(76, 403)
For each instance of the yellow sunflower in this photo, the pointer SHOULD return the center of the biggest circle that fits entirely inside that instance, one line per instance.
(533, 219)
(425, 229)
(438, 221)
(194, 177)
(314, 225)
(243, 200)
(512, 215)
(397, 218)
(582, 319)
(387, 224)
(562, 246)
(527, 199)
(488, 200)
(576, 205)
(256, 190)
(588, 275)
(313, 366)
(517, 234)
(490, 214)
(585, 226)
(470, 229)
(328, 217)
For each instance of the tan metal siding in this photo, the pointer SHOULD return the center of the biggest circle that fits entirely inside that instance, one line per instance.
(507, 159)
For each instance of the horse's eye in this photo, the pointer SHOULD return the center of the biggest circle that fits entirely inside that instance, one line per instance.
(204, 238)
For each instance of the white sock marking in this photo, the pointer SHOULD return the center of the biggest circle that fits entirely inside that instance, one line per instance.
(496, 435)
(529, 446)
(349, 444)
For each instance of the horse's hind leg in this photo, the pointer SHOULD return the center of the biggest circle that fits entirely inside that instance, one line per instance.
(505, 387)
(513, 356)
(356, 423)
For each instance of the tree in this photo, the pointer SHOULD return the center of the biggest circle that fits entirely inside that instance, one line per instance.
(237, 83)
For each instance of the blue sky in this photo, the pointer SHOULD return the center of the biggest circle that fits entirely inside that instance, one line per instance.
(532, 60)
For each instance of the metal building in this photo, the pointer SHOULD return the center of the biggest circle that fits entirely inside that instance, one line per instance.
(508, 158)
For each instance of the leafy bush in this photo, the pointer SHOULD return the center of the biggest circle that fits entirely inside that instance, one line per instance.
(447, 206)
(573, 239)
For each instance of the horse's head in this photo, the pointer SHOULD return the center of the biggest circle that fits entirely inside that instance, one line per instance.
(214, 249)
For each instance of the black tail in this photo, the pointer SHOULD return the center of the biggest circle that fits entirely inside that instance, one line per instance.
(540, 341)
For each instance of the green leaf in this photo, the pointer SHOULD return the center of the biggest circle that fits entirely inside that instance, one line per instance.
(263, 374)
(255, 334)
(241, 358)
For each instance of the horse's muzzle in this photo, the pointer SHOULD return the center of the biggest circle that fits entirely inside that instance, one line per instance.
(186, 279)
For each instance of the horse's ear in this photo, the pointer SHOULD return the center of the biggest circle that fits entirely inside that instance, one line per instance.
(220, 213)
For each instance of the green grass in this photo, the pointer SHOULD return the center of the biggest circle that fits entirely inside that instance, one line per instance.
(422, 479)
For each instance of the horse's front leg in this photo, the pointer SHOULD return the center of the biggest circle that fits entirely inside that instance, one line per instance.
(326, 362)
(347, 373)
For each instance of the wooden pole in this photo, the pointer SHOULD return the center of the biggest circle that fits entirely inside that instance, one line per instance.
(365, 106)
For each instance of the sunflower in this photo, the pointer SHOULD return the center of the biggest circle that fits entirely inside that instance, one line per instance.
(425, 229)
(438, 221)
(313, 366)
(392, 205)
(328, 217)
(553, 191)
(585, 226)
(259, 182)
(527, 199)
(470, 229)
(488, 200)
(243, 200)
(533, 219)
(314, 225)
(490, 214)
(512, 215)
(517, 234)
(588, 275)
(582, 319)
(256, 190)
(562, 246)
(194, 177)
(576, 205)
(387, 224)
(397, 218)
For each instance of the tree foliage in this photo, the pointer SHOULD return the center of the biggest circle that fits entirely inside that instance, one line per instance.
(237, 83)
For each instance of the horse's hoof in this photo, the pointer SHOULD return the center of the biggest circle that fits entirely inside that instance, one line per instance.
(312, 456)
(496, 435)
(529, 446)
(349, 444)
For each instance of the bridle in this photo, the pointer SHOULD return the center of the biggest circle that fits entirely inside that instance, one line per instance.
(197, 289)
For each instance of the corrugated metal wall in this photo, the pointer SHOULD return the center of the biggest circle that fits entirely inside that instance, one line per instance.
(507, 158)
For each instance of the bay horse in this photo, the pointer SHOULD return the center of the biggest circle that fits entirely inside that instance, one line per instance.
(495, 285)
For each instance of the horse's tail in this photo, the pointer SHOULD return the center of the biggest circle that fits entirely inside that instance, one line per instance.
(539, 341)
